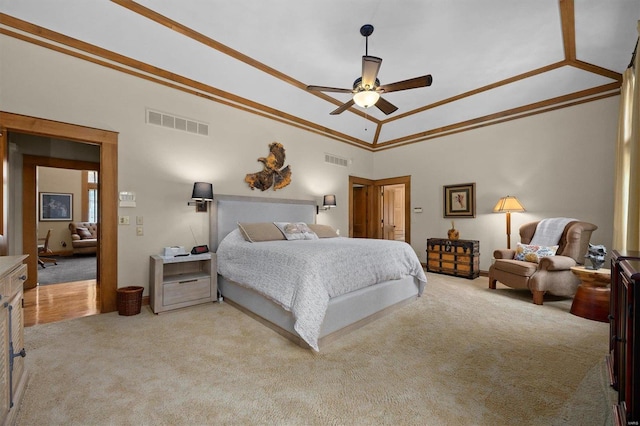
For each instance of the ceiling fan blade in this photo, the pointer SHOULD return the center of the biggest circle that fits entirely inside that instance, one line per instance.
(370, 68)
(412, 83)
(385, 106)
(328, 89)
(342, 108)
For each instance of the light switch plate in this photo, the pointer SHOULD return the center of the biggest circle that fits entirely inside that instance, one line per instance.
(123, 220)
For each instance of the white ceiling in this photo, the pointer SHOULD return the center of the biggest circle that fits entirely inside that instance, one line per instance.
(489, 59)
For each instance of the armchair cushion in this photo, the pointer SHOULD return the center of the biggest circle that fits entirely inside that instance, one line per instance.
(518, 267)
(533, 253)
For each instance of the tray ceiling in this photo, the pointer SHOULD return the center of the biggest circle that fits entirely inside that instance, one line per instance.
(491, 60)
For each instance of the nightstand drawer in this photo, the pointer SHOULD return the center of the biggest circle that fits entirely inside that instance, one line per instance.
(186, 291)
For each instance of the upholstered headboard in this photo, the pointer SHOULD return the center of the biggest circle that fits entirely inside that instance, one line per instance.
(227, 210)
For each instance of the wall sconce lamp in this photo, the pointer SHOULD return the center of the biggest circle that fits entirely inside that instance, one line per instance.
(327, 202)
(507, 205)
(202, 193)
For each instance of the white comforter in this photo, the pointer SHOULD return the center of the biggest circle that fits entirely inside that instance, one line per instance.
(303, 275)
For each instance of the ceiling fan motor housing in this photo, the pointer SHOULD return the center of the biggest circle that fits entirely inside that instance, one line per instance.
(357, 85)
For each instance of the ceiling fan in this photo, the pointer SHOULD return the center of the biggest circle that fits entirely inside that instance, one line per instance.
(367, 89)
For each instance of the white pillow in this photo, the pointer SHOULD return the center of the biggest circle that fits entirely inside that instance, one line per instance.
(296, 231)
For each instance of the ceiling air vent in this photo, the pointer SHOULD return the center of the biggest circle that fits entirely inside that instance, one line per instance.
(334, 159)
(178, 123)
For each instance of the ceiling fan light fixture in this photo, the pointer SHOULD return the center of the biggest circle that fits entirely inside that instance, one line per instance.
(366, 98)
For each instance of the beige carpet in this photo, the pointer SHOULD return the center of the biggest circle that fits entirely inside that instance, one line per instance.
(461, 354)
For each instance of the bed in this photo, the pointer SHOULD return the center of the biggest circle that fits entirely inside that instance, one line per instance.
(337, 311)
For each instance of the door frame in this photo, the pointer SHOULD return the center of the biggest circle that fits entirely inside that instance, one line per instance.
(107, 193)
(30, 164)
(374, 194)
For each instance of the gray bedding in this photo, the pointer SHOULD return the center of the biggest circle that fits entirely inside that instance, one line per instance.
(301, 276)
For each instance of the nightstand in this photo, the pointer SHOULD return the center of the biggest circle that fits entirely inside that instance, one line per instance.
(181, 281)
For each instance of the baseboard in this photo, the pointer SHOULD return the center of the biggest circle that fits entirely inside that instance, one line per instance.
(65, 253)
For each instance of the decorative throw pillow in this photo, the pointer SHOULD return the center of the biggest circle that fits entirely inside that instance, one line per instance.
(84, 233)
(256, 232)
(296, 231)
(323, 231)
(533, 253)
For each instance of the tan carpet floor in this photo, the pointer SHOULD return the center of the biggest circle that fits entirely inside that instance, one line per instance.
(461, 354)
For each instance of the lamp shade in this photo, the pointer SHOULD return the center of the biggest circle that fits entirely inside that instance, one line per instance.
(508, 204)
(366, 98)
(202, 191)
(329, 201)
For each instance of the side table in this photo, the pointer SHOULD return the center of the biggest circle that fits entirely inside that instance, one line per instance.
(593, 295)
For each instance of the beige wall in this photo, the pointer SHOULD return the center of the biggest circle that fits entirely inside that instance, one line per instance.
(558, 164)
(561, 158)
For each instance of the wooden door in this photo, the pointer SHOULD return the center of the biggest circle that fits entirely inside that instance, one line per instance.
(393, 213)
(360, 212)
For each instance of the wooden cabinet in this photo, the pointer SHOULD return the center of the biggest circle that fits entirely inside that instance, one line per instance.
(13, 376)
(623, 360)
(177, 282)
(460, 258)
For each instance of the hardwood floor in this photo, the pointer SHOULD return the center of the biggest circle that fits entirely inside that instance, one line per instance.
(57, 302)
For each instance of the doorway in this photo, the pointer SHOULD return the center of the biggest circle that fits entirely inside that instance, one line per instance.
(108, 195)
(70, 257)
(380, 208)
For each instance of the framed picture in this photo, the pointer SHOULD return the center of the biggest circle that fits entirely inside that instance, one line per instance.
(460, 200)
(56, 206)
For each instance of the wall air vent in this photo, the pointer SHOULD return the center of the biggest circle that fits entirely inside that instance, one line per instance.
(334, 159)
(178, 123)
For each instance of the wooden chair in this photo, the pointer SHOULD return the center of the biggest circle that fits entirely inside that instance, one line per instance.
(43, 249)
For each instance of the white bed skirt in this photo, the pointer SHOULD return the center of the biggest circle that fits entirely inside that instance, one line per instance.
(344, 313)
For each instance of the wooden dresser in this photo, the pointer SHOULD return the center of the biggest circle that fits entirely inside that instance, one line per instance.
(460, 258)
(13, 376)
(623, 360)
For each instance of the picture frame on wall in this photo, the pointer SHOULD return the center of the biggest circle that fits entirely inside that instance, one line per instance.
(460, 200)
(56, 206)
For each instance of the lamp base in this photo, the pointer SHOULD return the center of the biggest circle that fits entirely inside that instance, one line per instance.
(201, 206)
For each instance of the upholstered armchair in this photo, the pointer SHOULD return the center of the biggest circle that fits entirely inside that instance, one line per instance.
(551, 273)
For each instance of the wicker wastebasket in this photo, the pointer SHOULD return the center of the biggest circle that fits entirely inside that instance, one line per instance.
(129, 300)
